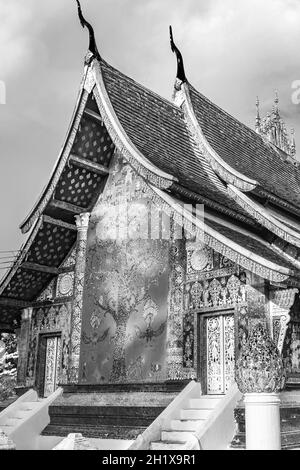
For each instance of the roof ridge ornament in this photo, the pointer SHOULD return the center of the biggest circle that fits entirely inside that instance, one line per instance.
(180, 67)
(85, 24)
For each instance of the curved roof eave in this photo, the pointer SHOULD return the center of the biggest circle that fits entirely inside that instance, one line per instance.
(119, 137)
(258, 212)
(22, 255)
(236, 253)
(222, 169)
(62, 159)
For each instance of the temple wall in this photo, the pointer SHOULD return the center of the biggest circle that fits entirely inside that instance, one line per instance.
(143, 299)
(125, 303)
(148, 287)
(50, 316)
(53, 320)
(291, 344)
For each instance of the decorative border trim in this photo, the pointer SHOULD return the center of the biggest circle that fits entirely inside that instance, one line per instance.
(121, 140)
(239, 255)
(222, 169)
(62, 159)
(285, 303)
(212, 204)
(259, 213)
(8, 277)
(276, 200)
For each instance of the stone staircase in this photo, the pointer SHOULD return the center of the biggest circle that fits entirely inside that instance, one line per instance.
(24, 419)
(192, 419)
(110, 415)
(9, 423)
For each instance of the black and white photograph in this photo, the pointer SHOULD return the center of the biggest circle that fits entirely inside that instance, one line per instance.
(150, 228)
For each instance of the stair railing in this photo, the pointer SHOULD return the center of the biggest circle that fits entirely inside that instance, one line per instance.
(153, 432)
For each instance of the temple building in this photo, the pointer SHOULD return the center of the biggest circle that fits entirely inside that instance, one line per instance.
(167, 232)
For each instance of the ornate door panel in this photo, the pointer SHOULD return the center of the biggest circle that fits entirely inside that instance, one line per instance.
(215, 369)
(219, 353)
(53, 355)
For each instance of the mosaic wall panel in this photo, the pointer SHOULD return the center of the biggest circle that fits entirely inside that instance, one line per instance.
(212, 283)
(179, 335)
(124, 323)
(78, 186)
(255, 309)
(93, 142)
(218, 292)
(203, 263)
(291, 348)
(51, 244)
(26, 281)
(281, 302)
(52, 365)
(70, 261)
(50, 319)
(63, 285)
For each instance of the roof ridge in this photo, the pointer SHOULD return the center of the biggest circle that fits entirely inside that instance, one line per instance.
(257, 136)
(140, 85)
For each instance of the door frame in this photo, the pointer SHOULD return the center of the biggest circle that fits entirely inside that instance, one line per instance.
(201, 340)
(41, 359)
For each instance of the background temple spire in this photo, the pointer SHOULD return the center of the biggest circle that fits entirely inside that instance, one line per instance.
(180, 67)
(273, 127)
(92, 45)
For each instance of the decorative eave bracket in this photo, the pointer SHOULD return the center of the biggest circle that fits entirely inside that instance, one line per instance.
(266, 220)
(239, 255)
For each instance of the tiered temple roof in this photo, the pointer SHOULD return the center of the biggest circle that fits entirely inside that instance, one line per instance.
(186, 151)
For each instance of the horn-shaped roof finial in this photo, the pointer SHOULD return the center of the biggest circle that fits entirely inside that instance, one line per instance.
(92, 46)
(180, 67)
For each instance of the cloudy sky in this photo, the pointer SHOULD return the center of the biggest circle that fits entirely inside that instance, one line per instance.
(233, 50)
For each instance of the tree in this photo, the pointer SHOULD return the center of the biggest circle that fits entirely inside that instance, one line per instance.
(8, 365)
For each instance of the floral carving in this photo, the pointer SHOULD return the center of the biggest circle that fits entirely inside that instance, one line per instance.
(259, 368)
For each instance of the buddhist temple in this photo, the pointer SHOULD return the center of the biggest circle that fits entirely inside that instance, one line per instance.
(168, 231)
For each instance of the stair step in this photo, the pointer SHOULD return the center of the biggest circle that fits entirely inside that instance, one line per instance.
(166, 445)
(176, 436)
(28, 406)
(20, 414)
(194, 414)
(186, 425)
(13, 420)
(204, 403)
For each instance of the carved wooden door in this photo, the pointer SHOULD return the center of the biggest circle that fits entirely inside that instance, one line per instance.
(53, 355)
(220, 353)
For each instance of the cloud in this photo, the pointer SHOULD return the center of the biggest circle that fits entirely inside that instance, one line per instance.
(233, 51)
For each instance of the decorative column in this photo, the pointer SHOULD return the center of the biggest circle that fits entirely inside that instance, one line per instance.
(260, 376)
(82, 223)
(23, 344)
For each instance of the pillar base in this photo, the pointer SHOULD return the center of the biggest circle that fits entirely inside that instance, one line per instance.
(262, 414)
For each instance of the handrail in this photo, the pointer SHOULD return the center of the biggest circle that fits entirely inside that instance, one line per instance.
(219, 428)
(153, 432)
